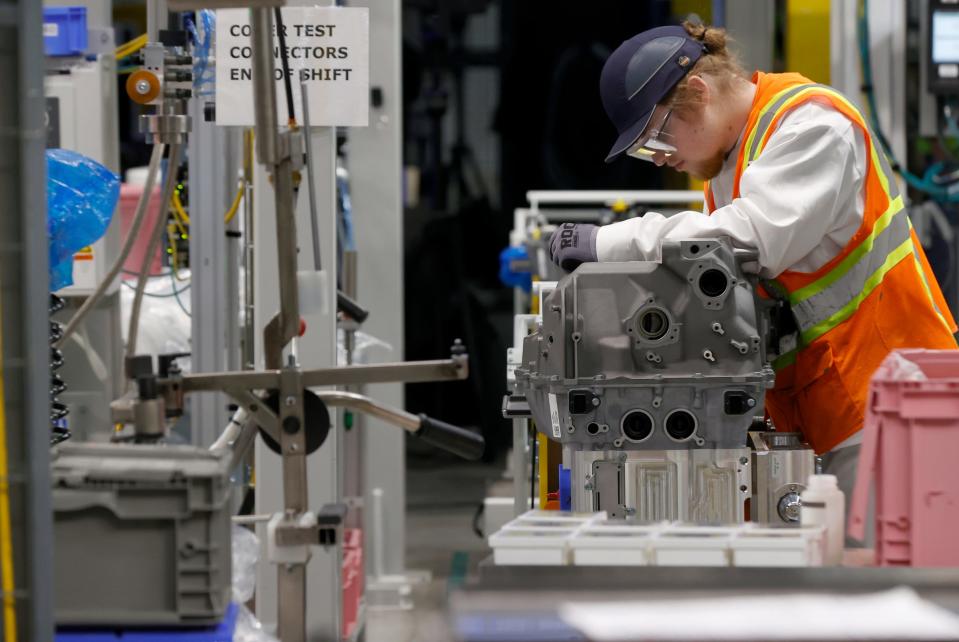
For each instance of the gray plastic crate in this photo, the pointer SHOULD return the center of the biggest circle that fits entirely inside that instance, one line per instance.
(142, 535)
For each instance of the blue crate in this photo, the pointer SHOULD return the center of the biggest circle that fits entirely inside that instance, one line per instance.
(64, 31)
(223, 632)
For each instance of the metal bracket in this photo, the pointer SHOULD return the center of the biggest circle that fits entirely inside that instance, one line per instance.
(262, 415)
(292, 439)
(321, 531)
(516, 407)
(452, 369)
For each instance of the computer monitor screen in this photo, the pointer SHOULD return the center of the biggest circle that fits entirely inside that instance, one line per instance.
(945, 37)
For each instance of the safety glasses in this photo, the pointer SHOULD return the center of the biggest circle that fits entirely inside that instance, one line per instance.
(655, 142)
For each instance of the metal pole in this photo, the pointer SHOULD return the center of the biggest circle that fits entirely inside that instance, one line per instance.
(289, 316)
(264, 86)
(270, 146)
(275, 153)
(24, 285)
(157, 18)
(310, 187)
(354, 464)
(249, 276)
(349, 288)
(376, 191)
(520, 439)
(215, 156)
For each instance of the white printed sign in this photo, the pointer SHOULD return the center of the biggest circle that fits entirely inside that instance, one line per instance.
(554, 416)
(327, 47)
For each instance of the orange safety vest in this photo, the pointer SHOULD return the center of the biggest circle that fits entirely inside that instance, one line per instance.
(877, 295)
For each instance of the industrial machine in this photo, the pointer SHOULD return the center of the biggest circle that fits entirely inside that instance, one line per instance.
(286, 403)
(652, 376)
(87, 369)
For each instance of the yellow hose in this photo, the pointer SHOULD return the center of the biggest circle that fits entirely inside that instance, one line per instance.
(6, 540)
(182, 218)
(180, 226)
(131, 47)
(230, 213)
(174, 258)
(178, 210)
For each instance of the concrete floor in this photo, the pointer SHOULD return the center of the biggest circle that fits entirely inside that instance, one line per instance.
(442, 500)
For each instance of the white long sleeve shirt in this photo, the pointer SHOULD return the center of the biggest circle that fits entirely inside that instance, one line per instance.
(800, 201)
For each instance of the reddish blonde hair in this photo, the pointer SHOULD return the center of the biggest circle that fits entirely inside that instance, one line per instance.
(718, 62)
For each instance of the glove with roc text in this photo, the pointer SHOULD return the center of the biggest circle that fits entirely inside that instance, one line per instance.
(573, 244)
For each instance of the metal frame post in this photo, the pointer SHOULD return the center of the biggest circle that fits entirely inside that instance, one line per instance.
(214, 274)
(24, 287)
(316, 349)
(887, 41)
(157, 15)
(520, 466)
(376, 190)
(275, 153)
(279, 257)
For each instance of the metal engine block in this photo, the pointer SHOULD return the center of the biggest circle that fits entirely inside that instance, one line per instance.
(650, 375)
(649, 356)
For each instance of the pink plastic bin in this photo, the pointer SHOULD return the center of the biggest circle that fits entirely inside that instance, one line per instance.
(352, 578)
(910, 444)
(129, 197)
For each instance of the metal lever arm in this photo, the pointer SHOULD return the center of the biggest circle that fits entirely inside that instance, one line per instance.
(453, 369)
(454, 439)
(350, 307)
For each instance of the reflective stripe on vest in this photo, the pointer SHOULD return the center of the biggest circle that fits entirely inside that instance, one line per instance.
(769, 112)
(825, 303)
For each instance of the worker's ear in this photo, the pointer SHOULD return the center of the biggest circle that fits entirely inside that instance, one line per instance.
(691, 106)
(700, 89)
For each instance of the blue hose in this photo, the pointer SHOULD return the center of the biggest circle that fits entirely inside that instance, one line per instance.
(942, 193)
(204, 78)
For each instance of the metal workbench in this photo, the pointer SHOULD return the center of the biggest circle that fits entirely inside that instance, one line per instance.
(521, 602)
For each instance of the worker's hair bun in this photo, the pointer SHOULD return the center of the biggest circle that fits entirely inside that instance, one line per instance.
(717, 62)
(713, 37)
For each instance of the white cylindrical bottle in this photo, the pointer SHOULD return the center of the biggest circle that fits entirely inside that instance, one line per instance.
(823, 504)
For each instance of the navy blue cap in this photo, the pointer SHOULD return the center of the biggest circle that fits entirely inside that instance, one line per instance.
(639, 74)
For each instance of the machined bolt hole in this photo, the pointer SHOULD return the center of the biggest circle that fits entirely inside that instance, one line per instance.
(653, 324)
(637, 425)
(680, 425)
(713, 283)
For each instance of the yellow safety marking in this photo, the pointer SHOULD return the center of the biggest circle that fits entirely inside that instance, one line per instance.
(6, 540)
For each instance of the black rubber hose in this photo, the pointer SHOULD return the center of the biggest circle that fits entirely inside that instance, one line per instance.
(284, 59)
(459, 441)
(350, 307)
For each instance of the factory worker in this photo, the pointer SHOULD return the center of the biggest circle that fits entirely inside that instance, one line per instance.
(792, 172)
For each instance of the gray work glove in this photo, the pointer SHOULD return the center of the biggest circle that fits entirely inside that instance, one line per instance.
(573, 244)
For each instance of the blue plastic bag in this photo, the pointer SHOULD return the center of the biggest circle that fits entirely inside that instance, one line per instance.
(81, 197)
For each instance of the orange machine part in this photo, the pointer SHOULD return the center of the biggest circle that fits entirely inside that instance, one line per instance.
(143, 76)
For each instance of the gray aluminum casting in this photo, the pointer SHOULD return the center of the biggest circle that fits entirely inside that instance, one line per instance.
(628, 346)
